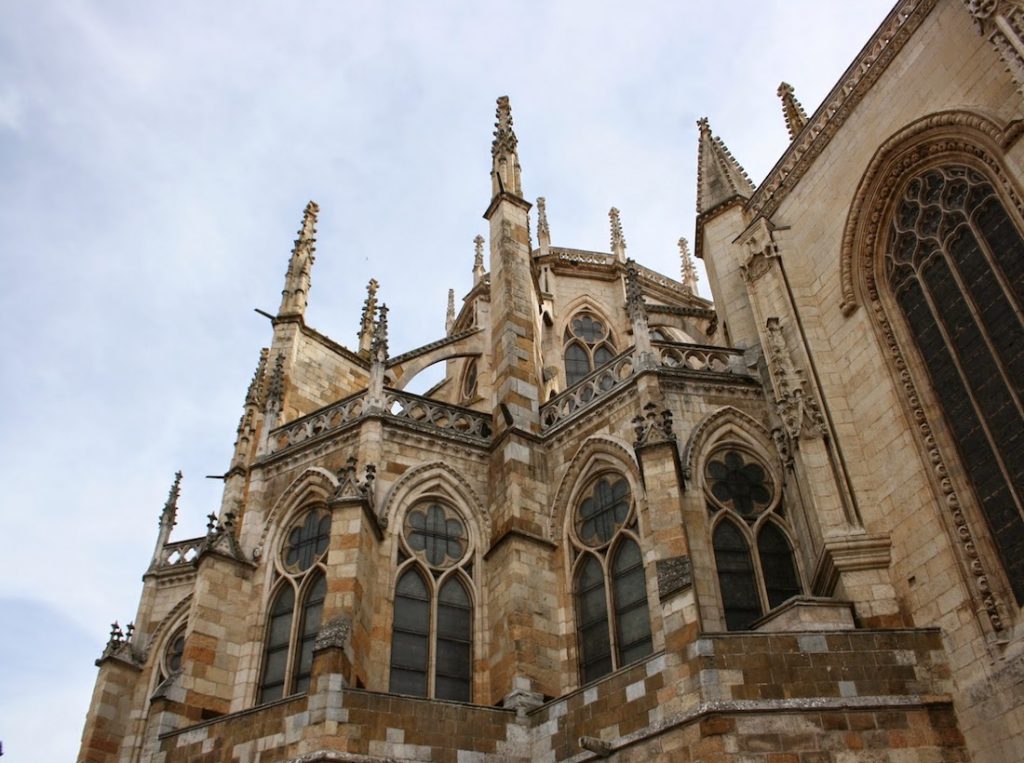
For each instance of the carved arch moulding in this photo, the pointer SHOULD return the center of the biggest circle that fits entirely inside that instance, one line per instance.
(314, 484)
(962, 137)
(438, 479)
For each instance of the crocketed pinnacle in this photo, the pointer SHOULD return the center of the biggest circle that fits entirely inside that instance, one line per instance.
(379, 348)
(367, 318)
(618, 240)
(686, 267)
(300, 265)
(505, 168)
(719, 175)
(254, 393)
(449, 318)
(795, 115)
(169, 516)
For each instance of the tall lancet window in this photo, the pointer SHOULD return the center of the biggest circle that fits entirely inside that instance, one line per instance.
(954, 263)
(432, 632)
(296, 606)
(751, 539)
(613, 624)
(588, 345)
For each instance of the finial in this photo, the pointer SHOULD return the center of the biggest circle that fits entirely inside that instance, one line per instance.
(634, 294)
(169, 516)
(367, 318)
(478, 259)
(795, 115)
(687, 269)
(543, 231)
(252, 395)
(505, 160)
(379, 348)
(719, 176)
(297, 278)
(275, 388)
(449, 319)
(618, 240)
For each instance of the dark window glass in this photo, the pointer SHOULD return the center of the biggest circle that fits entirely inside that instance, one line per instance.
(410, 650)
(440, 537)
(592, 612)
(588, 329)
(632, 620)
(735, 577)
(453, 664)
(577, 363)
(307, 542)
(469, 380)
(275, 659)
(602, 355)
(777, 564)
(603, 512)
(312, 610)
(740, 483)
(955, 265)
(175, 651)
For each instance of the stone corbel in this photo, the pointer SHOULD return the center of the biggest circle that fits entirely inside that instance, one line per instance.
(759, 240)
(795, 404)
(849, 554)
(1001, 22)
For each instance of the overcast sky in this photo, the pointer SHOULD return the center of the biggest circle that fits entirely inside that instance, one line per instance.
(155, 159)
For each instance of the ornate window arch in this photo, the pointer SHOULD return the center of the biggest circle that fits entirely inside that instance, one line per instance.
(432, 630)
(296, 604)
(936, 233)
(750, 535)
(613, 624)
(587, 345)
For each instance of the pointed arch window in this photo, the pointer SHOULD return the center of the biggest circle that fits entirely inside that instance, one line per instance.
(754, 557)
(954, 264)
(296, 607)
(613, 624)
(432, 631)
(588, 346)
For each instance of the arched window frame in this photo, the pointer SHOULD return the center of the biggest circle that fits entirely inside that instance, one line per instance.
(601, 349)
(606, 552)
(953, 137)
(750, 526)
(435, 578)
(302, 584)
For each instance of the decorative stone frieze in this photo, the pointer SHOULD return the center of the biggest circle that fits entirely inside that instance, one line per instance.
(674, 574)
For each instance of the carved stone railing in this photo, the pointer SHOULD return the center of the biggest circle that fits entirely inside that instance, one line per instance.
(430, 414)
(325, 420)
(180, 555)
(699, 357)
(658, 278)
(584, 257)
(589, 390)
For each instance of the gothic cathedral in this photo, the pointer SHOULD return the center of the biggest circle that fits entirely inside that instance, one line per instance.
(630, 523)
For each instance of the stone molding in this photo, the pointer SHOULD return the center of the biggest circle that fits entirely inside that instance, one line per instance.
(848, 554)
(1001, 22)
(675, 574)
(334, 634)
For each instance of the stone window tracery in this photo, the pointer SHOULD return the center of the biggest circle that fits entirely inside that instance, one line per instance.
(432, 631)
(296, 606)
(587, 346)
(953, 261)
(751, 541)
(609, 584)
(469, 381)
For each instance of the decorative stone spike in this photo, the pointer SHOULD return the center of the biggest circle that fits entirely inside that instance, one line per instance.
(505, 168)
(719, 175)
(688, 270)
(379, 348)
(449, 319)
(300, 265)
(634, 295)
(169, 516)
(618, 240)
(366, 321)
(254, 394)
(795, 115)
(275, 388)
(478, 259)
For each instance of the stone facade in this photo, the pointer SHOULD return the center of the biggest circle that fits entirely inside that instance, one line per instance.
(630, 524)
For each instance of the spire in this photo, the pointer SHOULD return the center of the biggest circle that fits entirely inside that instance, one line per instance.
(369, 313)
(543, 232)
(618, 240)
(795, 115)
(449, 319)
(478, 259)
(169, 516)
(505, 168)
(687, 269)
(297, 279)
(719, 175)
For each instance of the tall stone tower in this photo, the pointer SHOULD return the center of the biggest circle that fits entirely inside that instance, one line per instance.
(630, 523)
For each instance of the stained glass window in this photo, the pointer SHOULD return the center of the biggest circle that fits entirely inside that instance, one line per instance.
(738, 482)
(780, 579)
(307, 541)
(312, 609)
(632, 620)
(410, 642)
(438, 536)
(587, 347)
(592, 614)
(603, 511)
(736, 577)
(275, 659)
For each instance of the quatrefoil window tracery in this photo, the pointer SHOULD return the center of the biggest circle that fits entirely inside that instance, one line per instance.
(307, 542)
(435, 535)
(739, 482)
